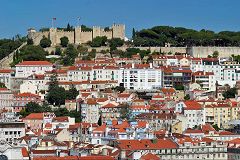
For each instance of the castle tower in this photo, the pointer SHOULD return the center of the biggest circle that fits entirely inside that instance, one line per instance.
(96, 31)
(31, 33)
(118, 31)
(77, 35)
(53, 36)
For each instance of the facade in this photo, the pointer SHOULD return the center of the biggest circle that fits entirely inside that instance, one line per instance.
(11, 132)
(205, 79)
(6, 98)
(194, 112)
(90, 111)
(140, 77)
(5, 77)
(28, 68)
(20, 100)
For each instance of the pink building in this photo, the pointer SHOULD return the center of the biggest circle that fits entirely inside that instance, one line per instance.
(20, 100)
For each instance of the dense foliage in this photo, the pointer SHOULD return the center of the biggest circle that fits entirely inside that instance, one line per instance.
(230, 93)
(69, 55)
(64, 41)
(179, 36)
(57, 95)
(7, 46)
(29, 53)
(33, 107)
(45, 42)
(98, 41)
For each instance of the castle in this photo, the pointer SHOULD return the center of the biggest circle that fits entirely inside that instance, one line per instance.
(77, 36)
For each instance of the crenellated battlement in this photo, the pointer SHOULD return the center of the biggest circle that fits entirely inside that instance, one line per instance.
(78, 36)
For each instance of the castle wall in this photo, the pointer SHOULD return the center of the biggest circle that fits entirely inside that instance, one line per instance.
(85, 37)
(96, 31)
(118, 31)
(205, 51)
(69, 35)
(37, 36)
(108, 34)
(78, 36)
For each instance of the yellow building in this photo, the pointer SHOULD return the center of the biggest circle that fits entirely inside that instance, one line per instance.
(221, 113)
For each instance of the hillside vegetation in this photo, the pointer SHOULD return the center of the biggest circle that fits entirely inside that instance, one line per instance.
(180, 37)
(9, 45)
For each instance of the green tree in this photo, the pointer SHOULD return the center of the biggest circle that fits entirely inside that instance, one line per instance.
(179, 87)
(133, 33)
(119, 89)
(29, 53)
(125, 111)
(230, 93)
(82, 50)
(72, 93)
(2, 85)
(70, 54)
(215, 126)
(98, 41)
(187, 97)
(29, 41)
(58, 51)
(114, 43)
(64, 41)
(45, 42)
(56, 96)
(215, 54)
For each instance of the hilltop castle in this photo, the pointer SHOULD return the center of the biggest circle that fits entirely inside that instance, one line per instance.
(77, 36)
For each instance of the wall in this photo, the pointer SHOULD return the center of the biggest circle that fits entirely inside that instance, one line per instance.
(85, 37)
(205, 51)
(118, 31)
(78, 36)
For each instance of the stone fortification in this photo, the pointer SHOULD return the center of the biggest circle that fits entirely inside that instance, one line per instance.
(77, 36)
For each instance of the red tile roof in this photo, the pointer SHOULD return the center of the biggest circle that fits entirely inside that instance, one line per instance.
(150, 156)
(27, 94)
(34, 63)
(109, 105)
(60, 119)
(24, 152)
(192, 105)
(38, 116)
(6, 70)
(146, 144)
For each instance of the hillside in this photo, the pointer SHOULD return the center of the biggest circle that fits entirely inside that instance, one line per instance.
(8, 45)
(180, 37)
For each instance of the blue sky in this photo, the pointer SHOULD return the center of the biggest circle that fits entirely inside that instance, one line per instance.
(19, 15)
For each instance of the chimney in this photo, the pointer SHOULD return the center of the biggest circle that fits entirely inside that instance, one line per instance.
(151, 65)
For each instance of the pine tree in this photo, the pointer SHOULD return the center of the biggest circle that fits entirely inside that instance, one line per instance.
(68, 27)
(133, 33)
(17, 55)
(14, 56)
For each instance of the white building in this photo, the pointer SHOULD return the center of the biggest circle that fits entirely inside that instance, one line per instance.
(90, 111)
(206, 80)
(6, 98)
(5, 77)
(28, 68)
(12, 131)
(193, 111)
(141, 77)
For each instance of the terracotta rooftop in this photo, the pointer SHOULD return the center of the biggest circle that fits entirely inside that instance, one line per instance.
(34, 63)
(146, 144)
